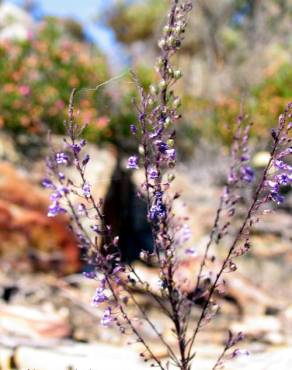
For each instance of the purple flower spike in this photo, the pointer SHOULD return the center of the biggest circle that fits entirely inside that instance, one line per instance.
(133, 162)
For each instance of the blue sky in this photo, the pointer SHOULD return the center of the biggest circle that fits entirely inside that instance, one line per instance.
(84, 11)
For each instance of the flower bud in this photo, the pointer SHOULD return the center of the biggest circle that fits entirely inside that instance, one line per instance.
(150, 102)
(170, 143)
(176, 103)
(166, 29)
(161, 43)
(162, 84)
(171, 41)
(167, 122)
(170, 177)
(160, 62)
(154, 90)
(141, 150)
(177, 74)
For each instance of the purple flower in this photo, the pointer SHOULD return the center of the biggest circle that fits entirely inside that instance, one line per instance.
(89, 274)
(156, 133)
(247, 174)
(171, 154)
(81, 209)
(86, 160)
(244, 157)
(191, 251)
(133, 129)
(47, 183)
(285, 152)
(284, 179)
(107, 318)
(162, 147)
(153, 173)
(96, 229)
(276, 197)
(55, 209)
(62, 158)
(76, 148)
(282, 165)
(99, 297)
(61, 176)
(133, 162)
(157, 211)
(232, 177)
(86, 190)
(240, 352)
(60, 191)
(186, 233)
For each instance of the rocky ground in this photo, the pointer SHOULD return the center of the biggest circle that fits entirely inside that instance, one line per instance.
(46, 320)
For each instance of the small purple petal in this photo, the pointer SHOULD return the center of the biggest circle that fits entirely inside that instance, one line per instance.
(47, 183)
(86, 190)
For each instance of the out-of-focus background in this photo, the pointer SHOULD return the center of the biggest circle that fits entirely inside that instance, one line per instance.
(236, 54)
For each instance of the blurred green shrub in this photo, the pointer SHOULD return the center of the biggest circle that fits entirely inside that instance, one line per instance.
(37, 76)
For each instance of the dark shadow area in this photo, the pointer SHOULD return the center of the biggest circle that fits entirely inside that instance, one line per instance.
(127, 215)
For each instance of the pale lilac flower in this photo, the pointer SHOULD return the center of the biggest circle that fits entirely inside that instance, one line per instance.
(81, 209)
(247, 174)
(191, 251)
(107, 317)
(133, 162)
(171, 154)
(186, 233)
(99, 297)
(86, 190)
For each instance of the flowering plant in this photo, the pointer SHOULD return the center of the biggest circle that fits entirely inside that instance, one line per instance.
(157, 111)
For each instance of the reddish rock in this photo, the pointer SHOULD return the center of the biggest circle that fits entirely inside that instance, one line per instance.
(26, 233)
